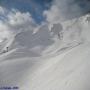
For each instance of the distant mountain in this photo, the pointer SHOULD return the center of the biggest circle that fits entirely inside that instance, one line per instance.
(68, 33)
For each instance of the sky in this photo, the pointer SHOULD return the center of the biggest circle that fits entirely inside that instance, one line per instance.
(35, 7)
(22, 15)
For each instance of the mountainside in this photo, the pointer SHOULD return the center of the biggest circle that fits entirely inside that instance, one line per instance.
(55, 57)
(63, 34)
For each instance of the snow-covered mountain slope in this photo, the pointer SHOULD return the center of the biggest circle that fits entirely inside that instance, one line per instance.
(46, 40)
(55, 58)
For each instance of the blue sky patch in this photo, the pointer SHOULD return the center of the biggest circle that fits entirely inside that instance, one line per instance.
(35, 7)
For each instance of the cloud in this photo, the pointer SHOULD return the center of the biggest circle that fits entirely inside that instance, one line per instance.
(13, 21)
(52, 15)
(66, 9)
(4, 32)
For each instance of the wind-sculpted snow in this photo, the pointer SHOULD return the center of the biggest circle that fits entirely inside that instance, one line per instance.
(54, 57)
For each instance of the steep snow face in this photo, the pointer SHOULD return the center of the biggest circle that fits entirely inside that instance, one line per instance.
(49, 38)
(54, 57)
(67, 71)
(80, 27)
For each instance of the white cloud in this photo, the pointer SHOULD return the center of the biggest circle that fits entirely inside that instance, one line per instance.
(14, 21)
(2, 10)
(67, 12)
(52, 15)
(62, 10)
(4, 32)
